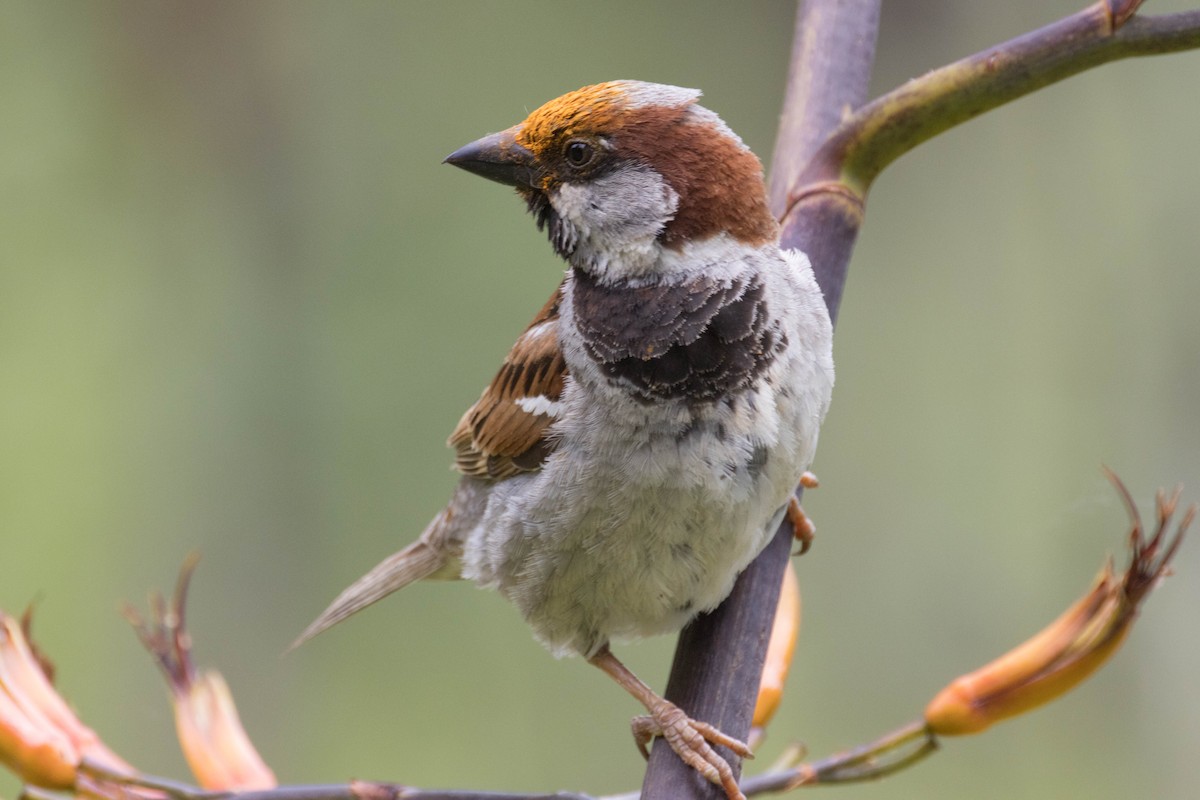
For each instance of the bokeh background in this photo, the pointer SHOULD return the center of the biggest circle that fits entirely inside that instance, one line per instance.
(242, 304)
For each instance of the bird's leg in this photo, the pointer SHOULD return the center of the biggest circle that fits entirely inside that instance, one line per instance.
(691, 739)
(802, 526)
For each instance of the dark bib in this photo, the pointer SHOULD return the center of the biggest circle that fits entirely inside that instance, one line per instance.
(703, 339)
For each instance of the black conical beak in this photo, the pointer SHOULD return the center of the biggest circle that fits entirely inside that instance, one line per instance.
(497, 157)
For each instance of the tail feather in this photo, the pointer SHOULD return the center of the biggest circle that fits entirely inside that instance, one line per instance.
(418, 560)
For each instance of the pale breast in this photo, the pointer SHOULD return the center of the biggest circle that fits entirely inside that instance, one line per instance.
(653, 502)
(635, 531)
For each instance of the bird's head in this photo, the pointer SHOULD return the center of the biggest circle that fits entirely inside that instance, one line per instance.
(621, 173)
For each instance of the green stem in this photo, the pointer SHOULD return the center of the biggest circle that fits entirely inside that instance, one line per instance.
(883, 130)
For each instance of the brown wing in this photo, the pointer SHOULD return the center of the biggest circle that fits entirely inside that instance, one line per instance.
(504, 433)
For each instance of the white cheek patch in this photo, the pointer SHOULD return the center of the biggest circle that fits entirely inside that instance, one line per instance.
(617, 218)
(631, 203)
(539, 405)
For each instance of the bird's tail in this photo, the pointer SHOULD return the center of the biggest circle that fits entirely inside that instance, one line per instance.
(421, 559)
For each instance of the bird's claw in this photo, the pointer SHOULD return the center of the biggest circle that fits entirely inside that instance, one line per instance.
(802, 527)
(692, 741)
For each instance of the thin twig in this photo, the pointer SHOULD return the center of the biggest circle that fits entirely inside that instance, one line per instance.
(888, 754)
(355, 790)
(895, 123)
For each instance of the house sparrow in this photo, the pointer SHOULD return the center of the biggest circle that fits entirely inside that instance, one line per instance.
(644, 437)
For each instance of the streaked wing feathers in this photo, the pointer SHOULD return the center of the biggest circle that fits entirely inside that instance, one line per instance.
(505, 432)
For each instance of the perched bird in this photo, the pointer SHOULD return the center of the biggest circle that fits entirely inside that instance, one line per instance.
(644, 437)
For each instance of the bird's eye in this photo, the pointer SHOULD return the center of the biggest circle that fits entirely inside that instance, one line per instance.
(578, 154)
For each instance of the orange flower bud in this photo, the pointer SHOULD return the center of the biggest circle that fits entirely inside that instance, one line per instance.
(41, 739)
(780, 648)
(40, 756)
(210, 732)
(214, 742)
(1072, 647)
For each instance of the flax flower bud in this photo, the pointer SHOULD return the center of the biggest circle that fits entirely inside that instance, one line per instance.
(214, 742)
(780, 648)
(1072, 647)
(41, 739)
(212, 738)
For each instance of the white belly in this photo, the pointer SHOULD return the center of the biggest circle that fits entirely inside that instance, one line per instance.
(646, 512)
(645, 515)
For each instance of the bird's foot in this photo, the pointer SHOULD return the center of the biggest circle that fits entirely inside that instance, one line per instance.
(802, 526)
(692, 741)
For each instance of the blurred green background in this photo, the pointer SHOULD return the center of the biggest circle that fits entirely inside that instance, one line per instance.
(242, 304)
